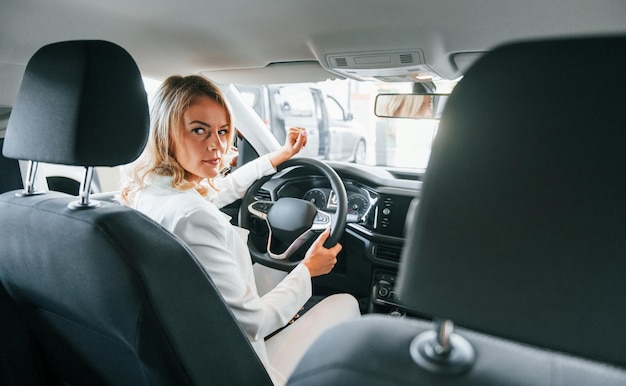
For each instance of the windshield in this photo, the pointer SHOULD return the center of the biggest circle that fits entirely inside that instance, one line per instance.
(339, 116)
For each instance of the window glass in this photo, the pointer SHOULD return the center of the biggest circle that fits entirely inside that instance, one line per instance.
(295, 101)
(334, 110)
(346, 122)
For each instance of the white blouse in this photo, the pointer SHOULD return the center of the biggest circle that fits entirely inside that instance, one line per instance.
(222, 250)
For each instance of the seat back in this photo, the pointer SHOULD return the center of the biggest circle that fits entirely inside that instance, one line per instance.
(519, 234)
(521, 227)
(111, 296)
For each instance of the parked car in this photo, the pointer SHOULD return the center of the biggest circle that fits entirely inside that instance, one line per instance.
(334, 134)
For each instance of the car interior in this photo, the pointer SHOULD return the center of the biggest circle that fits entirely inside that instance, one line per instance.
(482, 240)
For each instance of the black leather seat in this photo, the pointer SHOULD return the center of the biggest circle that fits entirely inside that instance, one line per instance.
(18, 358)
(111, 297)
(519, 236)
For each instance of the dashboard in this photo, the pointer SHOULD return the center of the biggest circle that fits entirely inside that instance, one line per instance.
(378, 205)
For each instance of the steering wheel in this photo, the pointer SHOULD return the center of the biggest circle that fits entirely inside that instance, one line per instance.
(293, 222)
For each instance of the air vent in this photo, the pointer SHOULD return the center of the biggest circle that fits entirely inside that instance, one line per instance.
(387, 252)
(263, 194)
(341, 62)
(406, 58)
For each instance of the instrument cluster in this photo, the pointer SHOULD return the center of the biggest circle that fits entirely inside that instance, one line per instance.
(360, 200)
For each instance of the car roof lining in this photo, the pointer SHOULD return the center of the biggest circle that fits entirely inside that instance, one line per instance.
(192, 33)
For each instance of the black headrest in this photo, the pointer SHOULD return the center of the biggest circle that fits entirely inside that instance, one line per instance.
(521, 226)
(80, 103)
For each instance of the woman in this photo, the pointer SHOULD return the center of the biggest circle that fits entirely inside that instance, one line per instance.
(177, 182)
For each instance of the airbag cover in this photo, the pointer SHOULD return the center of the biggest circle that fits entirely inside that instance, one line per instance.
(290, 217)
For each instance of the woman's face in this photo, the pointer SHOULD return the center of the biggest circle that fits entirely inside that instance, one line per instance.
(203, 139)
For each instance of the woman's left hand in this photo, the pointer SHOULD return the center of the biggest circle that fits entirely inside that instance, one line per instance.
(296, 140)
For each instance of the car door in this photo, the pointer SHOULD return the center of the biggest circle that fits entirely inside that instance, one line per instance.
(294, 106)
(344, 132)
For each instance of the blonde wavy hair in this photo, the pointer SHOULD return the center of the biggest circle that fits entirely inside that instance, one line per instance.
(404, 105)
(172, 99)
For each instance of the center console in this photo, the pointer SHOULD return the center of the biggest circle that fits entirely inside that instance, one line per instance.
(383, 294)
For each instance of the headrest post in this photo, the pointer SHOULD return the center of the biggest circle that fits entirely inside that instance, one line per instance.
(31, 173)
(442, 351)
(85, 190)
(30, 177)
(85, 186)
(445, 329)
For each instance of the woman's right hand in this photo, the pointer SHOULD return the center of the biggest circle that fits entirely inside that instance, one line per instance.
(319, 259)
(295, 141)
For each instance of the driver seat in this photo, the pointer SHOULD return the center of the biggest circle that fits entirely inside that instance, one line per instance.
(109, 295)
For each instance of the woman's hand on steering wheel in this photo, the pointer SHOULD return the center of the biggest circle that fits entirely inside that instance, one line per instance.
(319, 259)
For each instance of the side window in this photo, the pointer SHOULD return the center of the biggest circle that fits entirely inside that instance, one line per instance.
(335, 111)
(252, 97)
(295, 101)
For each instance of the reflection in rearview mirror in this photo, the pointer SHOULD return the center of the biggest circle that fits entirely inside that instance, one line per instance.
(416, 106)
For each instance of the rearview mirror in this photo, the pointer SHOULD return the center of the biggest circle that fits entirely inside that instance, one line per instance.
(416, 106)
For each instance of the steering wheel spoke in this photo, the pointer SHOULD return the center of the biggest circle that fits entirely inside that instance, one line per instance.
(291, 249)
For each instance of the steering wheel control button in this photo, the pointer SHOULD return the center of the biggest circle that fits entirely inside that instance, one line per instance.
(260, 208)
(322, 218)
(263, 206)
